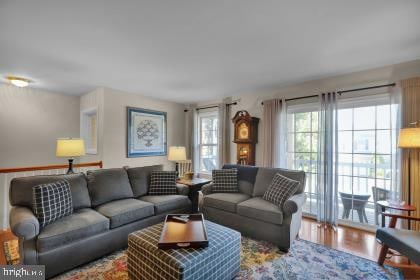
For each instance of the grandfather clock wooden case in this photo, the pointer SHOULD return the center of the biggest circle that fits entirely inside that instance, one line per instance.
(246, 137)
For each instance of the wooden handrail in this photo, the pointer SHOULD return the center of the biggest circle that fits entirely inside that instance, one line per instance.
(392, 215)
(49, 167)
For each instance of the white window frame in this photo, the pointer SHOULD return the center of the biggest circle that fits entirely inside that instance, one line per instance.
(200, 115)
(86, 129)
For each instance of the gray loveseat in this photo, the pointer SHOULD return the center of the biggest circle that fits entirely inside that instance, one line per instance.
(248, 213)
(108, 205)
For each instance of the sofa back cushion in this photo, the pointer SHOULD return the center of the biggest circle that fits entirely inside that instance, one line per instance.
(265, 177)
(246, 177)
(20, 192)
(106, 185)
(140, 178)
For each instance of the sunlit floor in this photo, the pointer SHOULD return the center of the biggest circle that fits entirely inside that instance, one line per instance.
(354, 241)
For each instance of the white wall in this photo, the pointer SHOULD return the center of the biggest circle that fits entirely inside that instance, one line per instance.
(31, 121)
(114, 150)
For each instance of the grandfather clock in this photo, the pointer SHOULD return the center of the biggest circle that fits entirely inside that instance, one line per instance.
(246, 136)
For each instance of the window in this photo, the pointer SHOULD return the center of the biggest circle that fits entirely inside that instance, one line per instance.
(208, 128)
(366, 137)
(89, 129)
(302, 147)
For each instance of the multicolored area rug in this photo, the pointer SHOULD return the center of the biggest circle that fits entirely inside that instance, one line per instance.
(11, 251)
(262, 260)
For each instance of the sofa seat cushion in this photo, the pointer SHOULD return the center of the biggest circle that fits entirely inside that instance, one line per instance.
(407, 242)
(224, 201)
(125, 211)
(165, 203)
(81, 224)
(260, 209)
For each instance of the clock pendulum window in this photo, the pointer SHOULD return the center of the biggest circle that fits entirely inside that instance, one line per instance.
(245, 137)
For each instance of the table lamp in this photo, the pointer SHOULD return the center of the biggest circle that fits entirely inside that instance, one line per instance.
(409, 139)
(177, 153)
(70, 148)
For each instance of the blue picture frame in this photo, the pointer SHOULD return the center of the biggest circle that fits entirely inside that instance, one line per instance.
(146, 133)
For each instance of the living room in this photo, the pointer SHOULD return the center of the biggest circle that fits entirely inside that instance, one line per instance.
(210, 139)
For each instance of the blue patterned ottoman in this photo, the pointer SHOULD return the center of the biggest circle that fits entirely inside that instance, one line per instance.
(220, 260)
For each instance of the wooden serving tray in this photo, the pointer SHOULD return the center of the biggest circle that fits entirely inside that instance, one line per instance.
(176, 235)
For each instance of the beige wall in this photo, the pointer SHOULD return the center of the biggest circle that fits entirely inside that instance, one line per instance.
(115, 125)
(31, 121)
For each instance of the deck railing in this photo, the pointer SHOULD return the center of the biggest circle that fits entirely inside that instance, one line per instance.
(7, 175)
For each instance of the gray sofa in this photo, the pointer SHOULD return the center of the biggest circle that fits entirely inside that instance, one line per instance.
(248, 213)
(108, 205)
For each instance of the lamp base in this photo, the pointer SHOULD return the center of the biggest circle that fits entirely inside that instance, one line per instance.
(70, 170)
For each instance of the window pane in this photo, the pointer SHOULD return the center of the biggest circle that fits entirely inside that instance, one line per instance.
(208, 158)
(364, 142)
(383, 166)
(314, 116)
(303, 122)
(345, 164)
(364, 118)
(345, 141)
(364, 165)
(383, 116)
(209, 137)
(345, 119)
(383, 141)
(302, 161)
(303, 142)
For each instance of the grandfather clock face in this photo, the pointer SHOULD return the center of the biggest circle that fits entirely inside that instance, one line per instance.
(243, 131)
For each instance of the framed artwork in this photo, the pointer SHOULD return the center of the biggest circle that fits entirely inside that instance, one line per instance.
(146, 133)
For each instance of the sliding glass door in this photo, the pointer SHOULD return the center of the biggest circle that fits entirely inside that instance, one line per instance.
(302, 147)
(365, 155)
(366, 144)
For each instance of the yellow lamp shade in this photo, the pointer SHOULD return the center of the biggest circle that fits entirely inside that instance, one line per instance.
(70, 147)
(177, 153)
(409, 138)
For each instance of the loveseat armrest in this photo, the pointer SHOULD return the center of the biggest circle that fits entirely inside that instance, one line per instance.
(294, 203)
(23, 222)
(206, 189)
(182, 189)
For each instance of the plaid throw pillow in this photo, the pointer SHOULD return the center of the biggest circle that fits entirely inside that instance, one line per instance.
(52, 201)
(280, 189)
(225, 180)
(163, 183)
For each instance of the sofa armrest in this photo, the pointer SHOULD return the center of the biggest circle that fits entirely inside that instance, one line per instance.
(294, 203)
(206, 189)
(182, 189)
(23, 222)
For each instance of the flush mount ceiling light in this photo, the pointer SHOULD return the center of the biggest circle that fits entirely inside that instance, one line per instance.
(17, 81)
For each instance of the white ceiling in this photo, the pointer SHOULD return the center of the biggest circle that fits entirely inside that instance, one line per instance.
(192, 50)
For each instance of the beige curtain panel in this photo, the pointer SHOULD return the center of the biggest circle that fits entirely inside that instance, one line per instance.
(271, 132)
(224, 134)
(411, 113)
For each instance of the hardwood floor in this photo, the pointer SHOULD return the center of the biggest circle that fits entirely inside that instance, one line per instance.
(354, 241)
(351, 240)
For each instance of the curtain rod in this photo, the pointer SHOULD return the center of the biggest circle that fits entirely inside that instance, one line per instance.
(214, 106)
(342, 91)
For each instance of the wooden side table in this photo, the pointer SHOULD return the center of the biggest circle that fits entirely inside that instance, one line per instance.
(195, 186)
(405, 207)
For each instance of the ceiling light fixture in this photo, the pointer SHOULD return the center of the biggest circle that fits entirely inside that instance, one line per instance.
(17, 81)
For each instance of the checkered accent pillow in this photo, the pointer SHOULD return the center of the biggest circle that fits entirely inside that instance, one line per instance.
(280, 189)
(225, 180)
(52, 201)
(163, 183)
